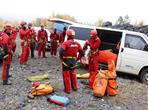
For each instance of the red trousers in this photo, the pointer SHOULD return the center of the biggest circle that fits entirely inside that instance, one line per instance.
(5, 69)
(93, 70)
(69, 78)
(41, 48)
(53, 49)
(25, 54)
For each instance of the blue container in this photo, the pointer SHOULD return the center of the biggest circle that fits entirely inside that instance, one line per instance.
(60, 100)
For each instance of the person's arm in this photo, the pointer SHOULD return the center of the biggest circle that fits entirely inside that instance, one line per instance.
(38, 36)
(46, 36)
(82, 55)
(62, 50)
(5, 49)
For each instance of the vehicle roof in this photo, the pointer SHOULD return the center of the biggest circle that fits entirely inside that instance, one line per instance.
(61, 21)
(109, 29)
(73, 24)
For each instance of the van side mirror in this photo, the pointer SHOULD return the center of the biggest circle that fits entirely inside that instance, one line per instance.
(146, 47)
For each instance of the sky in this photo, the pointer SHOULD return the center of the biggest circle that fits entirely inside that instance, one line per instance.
(86, 11)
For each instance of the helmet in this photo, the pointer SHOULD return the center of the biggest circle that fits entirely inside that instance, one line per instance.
(42, 25)
(70, 33)
(93, 33)
(23, 23)
(30, 24)
(7, 27)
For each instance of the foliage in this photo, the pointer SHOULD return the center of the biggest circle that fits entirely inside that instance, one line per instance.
(123, 20)
(99, 22)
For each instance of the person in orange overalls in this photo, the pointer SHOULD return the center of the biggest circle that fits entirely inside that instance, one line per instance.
(54, 38)
(94, 43)
(32, 39)
(42, 39)
(68, 54)
(6, 47)
(24, 43)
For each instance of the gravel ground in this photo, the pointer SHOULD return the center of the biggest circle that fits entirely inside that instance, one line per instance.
(133, 95)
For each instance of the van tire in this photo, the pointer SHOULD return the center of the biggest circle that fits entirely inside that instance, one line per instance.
(144, 76)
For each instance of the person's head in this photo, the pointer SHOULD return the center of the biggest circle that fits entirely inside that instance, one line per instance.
(8, 29)
(54, 30)
(70, 34)
(64, 29)
(23, 24)
(93, 34)
(42, 26)
(29, 25)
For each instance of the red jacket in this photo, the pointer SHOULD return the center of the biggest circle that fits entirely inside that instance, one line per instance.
(62, 37)
(94, 43)
(8, 44)
(31, 37)
(71, 48)
(54, 37)
(24, 34)
(42, 36)
(14, 33)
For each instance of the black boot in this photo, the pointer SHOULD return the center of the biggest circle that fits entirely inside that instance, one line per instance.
(5, 82)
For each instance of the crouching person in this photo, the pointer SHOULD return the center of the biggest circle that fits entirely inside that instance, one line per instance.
(68, 54)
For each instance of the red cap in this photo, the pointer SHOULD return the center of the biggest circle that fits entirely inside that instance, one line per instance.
(70, 32)
(30, 24)
(8, 27)
(93, 33)
(23, 23)
(42, 25)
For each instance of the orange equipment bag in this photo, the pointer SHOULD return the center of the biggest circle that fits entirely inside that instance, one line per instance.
(111, 74)
(100, 84)
(41, 89)
(104, 56)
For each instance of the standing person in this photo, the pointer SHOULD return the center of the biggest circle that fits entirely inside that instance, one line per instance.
(62, 35)
(32, 39)
(54, 38)
(24, 43)
(14, 35)
(6, 47)
(94, 43)
(42, 39)
(68, 54)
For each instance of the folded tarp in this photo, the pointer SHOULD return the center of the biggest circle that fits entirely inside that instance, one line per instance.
(38, 77)
(83, 76)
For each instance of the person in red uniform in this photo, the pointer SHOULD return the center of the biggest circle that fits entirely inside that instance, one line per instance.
(32, 39)
(6, 47)
(94, 43)
(62, 35)
(54, 38)
(68, 54)
(24, 43)
(42, 39)
(14, 34)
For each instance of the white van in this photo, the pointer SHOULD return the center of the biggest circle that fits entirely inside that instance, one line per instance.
(133, 52)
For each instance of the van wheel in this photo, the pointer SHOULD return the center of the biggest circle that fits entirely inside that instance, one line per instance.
(144, 76)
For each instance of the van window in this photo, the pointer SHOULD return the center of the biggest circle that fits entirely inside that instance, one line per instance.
(60, 26)
(81, 33)
(134, 42)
